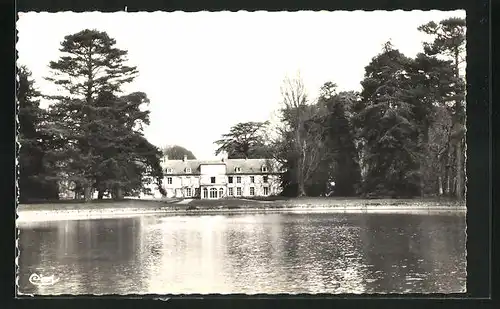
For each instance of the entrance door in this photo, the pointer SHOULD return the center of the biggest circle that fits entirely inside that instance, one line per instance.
(205, 193)
(213, 193)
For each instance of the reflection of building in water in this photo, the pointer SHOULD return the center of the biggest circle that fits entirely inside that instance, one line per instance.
(186, 255)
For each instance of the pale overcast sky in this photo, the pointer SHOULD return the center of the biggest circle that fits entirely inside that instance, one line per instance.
(205, 72)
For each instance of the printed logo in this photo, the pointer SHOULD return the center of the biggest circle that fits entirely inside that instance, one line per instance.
(41, 280)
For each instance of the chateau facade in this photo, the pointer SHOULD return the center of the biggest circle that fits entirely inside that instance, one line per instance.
(220, 179)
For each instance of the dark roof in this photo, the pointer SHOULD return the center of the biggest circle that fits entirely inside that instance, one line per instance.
(246, 166)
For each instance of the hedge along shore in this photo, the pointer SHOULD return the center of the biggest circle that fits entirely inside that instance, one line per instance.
(132, 208)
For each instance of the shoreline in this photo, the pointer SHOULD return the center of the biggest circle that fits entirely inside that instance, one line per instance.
(28, 216)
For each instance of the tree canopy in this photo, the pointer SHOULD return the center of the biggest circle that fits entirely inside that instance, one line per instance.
(244, 140)
(104, 148)
(35, 182)
(176, 152)
(403, 134)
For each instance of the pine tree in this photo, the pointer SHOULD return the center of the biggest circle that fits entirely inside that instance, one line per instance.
(34, 176)
(431, 90)
(343, 161)
(244, 140)
(449, 43)
(388, 127)
(125, 155)
(105, 148)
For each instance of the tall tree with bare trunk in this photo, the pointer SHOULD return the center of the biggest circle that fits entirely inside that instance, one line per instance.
(302, 133)
(449, 43)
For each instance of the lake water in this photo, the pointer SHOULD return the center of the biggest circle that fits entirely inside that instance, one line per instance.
(254, 253)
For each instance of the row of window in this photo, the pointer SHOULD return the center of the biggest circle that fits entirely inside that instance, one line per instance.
(230, 179)
(230, 192)
(252, 179)
(237, 169)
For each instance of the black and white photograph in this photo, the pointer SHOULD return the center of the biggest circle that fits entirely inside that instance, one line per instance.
(179, 153)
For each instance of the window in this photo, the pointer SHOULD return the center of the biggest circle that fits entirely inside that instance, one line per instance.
(188, 170)
(230, 179)
(213, 193)
(212, 179)
(238, 179)
(252, 179)
(238, 191)
(205, 193)
(237, 169)
(265, 178)
(170, 171)
(169, 180)
(264, 168)
(230, 191)
(196, 191)
(188, 192)
(221, 192)
(266, 190)
(252, 191)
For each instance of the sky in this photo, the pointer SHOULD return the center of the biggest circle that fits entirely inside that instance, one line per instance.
(204, 72)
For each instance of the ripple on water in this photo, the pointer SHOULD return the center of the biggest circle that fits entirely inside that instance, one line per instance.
(273, 253)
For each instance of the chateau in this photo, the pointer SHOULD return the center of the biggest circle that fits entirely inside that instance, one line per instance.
(223, 178)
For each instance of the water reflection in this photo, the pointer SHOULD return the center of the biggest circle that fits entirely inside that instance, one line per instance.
(267, 253)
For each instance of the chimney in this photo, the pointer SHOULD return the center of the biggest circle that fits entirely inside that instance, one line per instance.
(165, 158)
(185, 158)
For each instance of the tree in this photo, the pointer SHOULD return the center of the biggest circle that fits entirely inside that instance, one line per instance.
(177, 152)
(449, 43)
(127, 158)
(34, 180)
(431, 90)
(104, 147)
(244, 140)
(301, 135)
(341, 157)
(388, 127)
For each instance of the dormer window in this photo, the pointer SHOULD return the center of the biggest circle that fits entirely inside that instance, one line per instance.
(264, 168)
(237, 169)
(188, 170)
(170, 171)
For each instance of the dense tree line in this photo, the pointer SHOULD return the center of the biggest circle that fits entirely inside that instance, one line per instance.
(403, 135)
(91, 136)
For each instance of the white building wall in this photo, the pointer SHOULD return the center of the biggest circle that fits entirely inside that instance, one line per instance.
(215, 169)
(177, 189)
(273, 184)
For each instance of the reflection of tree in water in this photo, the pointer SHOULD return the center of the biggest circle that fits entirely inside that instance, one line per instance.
(325, 258)
(401, 252)
(35, 243)
(444, 252)
(251, 252)
(112, 253)
(88, 256)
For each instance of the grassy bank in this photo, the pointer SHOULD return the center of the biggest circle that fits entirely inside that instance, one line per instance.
(96, 204)
(234, 203)
(31, 213)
